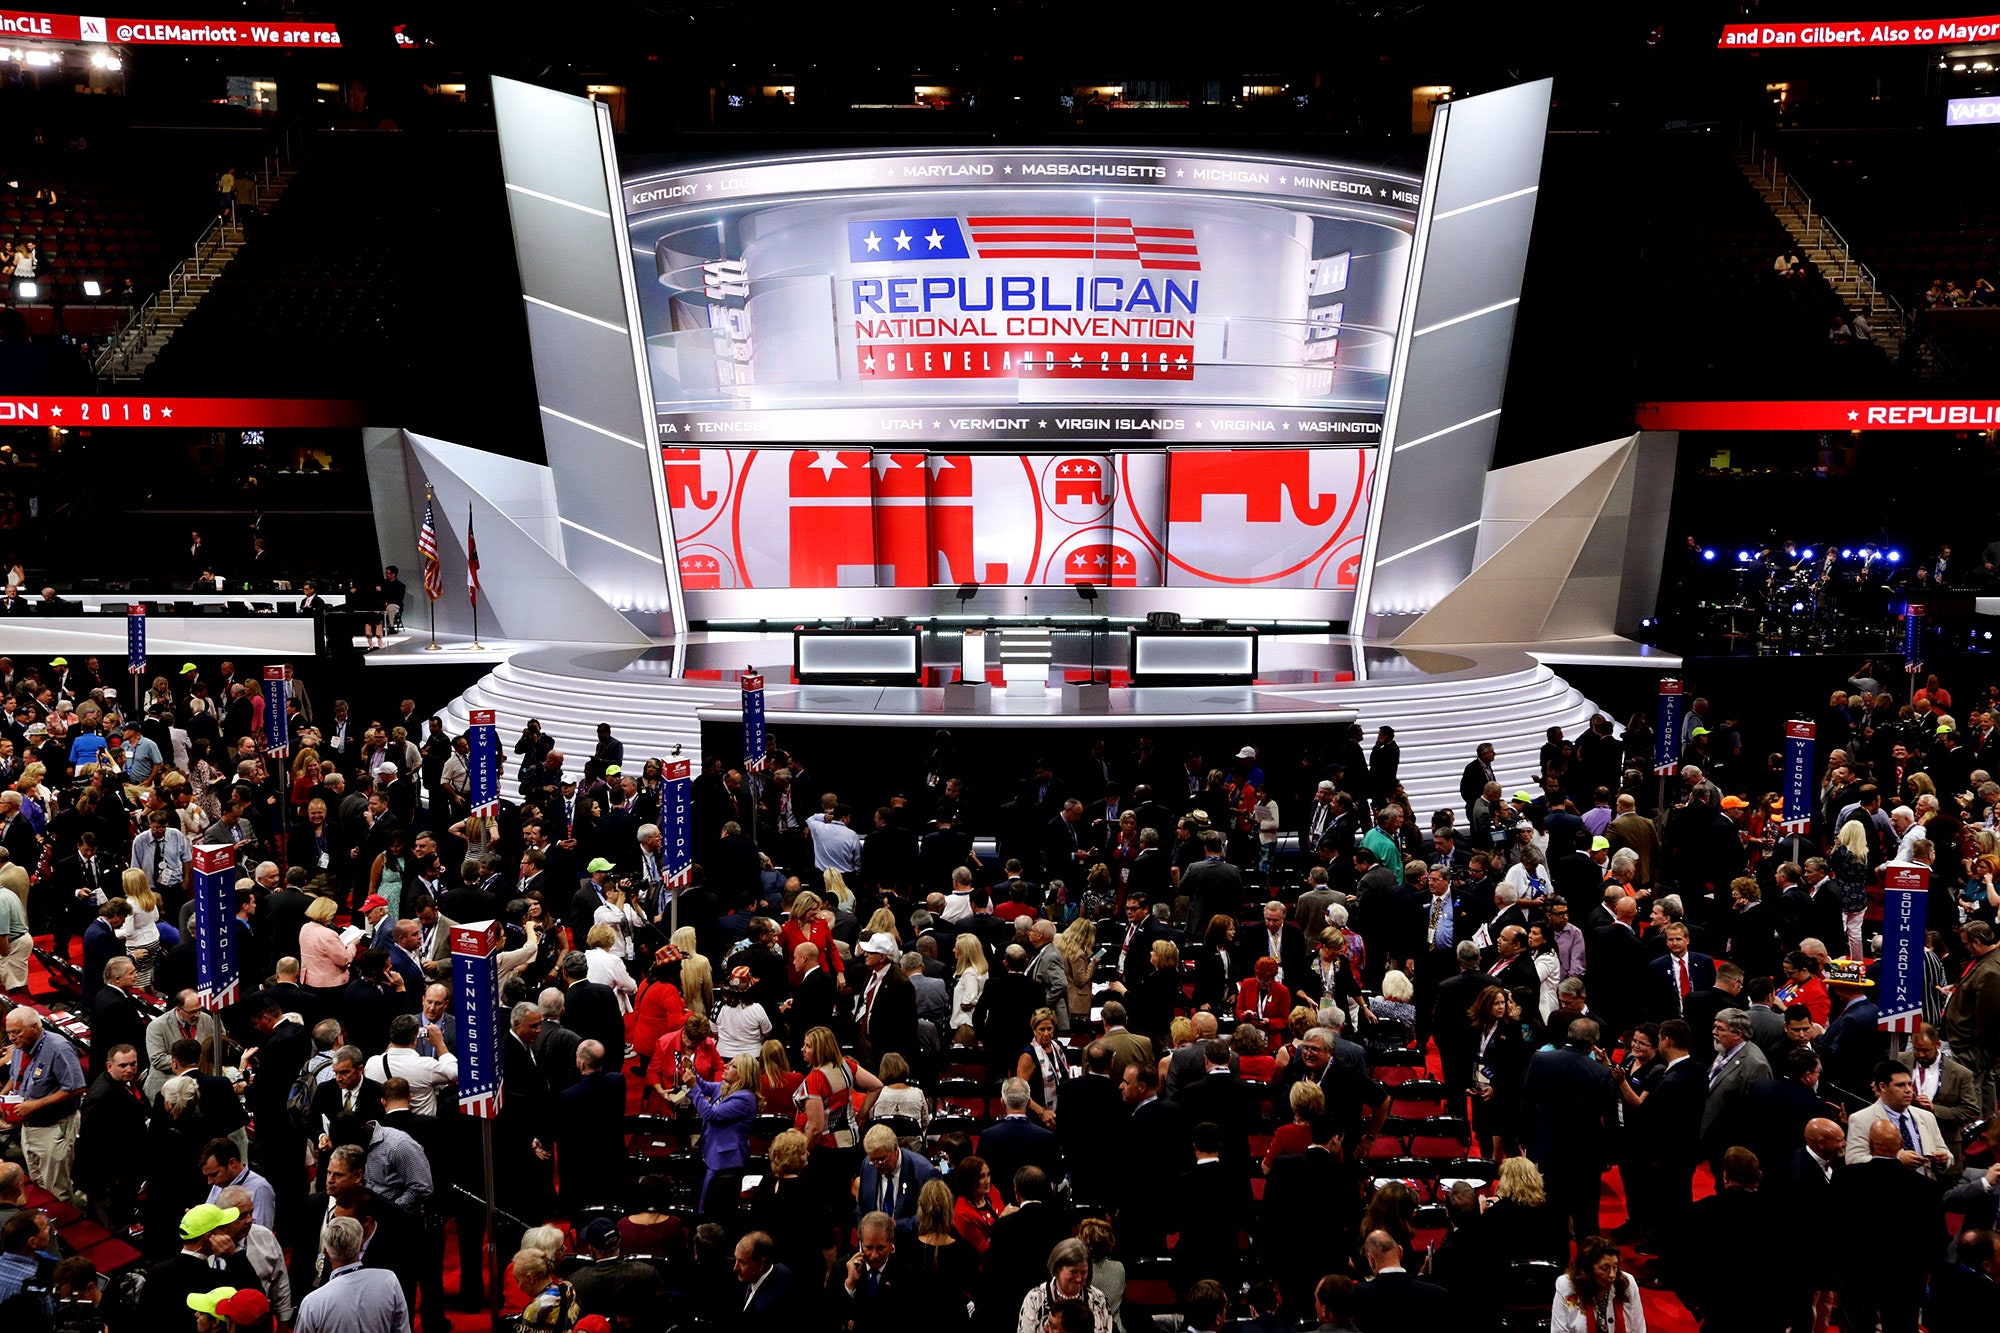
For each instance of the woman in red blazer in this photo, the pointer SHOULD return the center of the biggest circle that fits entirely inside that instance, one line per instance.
(810, 923)
(1262, 999)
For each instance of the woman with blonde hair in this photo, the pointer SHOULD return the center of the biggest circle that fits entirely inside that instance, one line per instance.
(141, 931)
(606, 967)
(323, 959)
(1077, 947)
(1179, 1033)
(697, 985)
(945, 1267)
(883, 922)
(1849, 862)
(969, 980)
(306, 773)
(810, 922)
(778, 1081)
(551, 1301)
(1520, 1220)
(835, 890)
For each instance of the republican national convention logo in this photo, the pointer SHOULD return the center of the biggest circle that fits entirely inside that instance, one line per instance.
(906, 240)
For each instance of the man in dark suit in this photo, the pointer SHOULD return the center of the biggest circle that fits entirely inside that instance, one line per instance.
(876, 1291)
(885, 1013)
(348, 1092)
(1151, 871)
(1615, 963)
(1189, 1065)
(1018, 1257)
(1212, 1202)
(1567, 1107)
(891, 1178)
(1472, 782)
(1962, 1293)
(1271, 937)
(1132, 939)
(1155, 1151)
(100, 945)
(1674, 977)
(113, 1122)
(1449, 1024)
(1212, 885)
(1093, 1115)
(1066, 842)
(768, 1297)
(1222, 1099)
(523, 1134)
(1015, 1141)
(590, 1147)
(812, 999)
(1395, 1300)
(116, 1017)
(611, 1285)
(590, 1009)
(1699, 1259)
(1667, 1141)
(1882, 1269)
(1509, 965)
(1313, 1183)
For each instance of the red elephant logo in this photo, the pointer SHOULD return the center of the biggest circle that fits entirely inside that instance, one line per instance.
(1105, 565)
(700, 573)
(1079, 480)
(684, 480)
(1263, 477)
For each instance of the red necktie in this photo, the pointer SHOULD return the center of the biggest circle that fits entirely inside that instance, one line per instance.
(1686, 986)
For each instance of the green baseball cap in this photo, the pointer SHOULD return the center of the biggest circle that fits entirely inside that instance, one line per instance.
(598, 863)
(1600, 843)
(187, 668)
(1523, 796)
(1698, 731)
(203, 1218)
(204, 1302)
(613, 771)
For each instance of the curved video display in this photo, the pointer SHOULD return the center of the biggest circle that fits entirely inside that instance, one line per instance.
(1070, 296)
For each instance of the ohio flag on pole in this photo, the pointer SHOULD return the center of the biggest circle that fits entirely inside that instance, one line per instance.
(471, 560)
(427, 547)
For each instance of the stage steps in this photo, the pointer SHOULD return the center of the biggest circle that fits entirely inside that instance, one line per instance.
(1439, 722)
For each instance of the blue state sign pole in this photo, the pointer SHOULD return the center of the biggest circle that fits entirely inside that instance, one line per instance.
(475, 967)
(1667, 734)
(135, 645)
(218, 971)
(677, 836)
(755, 745)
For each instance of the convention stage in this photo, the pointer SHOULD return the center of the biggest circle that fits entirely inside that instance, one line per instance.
(1443, 704)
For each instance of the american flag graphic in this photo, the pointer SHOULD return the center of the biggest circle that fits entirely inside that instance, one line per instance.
(471, 560)
(906, 240)
(1084, 238)
(427, 547)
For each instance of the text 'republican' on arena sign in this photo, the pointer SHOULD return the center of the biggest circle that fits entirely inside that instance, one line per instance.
(1029, 294)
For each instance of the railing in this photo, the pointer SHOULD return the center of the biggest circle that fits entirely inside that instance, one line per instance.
(1794, 196)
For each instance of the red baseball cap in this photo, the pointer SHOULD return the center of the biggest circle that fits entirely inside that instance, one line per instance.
(247, 1306)
(374, 901)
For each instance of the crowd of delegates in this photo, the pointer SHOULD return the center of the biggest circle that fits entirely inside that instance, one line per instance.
(884, 1078)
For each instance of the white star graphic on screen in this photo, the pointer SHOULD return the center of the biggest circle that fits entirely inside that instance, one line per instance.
(903, 239)
(1179, 172)
(167, 412)
(1851, 416)
(1281, 180)
(1076, 358)
(936, 238)
(827, 461)
(1123, 560)
(1041, 425)
(937, 463)
(1102, 562)
(57, 411)
(1180, 360)
(1006, 171)
(873, 241)
(884, 463)
(1081, 560)
(868, 363)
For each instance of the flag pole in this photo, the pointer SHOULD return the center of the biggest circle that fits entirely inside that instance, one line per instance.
(471, 550)
(433, 646)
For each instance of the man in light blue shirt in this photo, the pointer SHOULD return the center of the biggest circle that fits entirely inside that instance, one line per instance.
(162, 852)
(142, 756)
(354, 1299)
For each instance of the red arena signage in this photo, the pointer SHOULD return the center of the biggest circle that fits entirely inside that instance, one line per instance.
(210, 413)
(1857, 414)
(1837, 36)
(166, 32)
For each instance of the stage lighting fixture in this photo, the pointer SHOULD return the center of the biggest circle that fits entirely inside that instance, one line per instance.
(1742, 557)
(1846, 553)
(1806, 554)
(28, 290)
(1708, 553)
(1798, 606)
(93, 288)
(966, 592)
(1895, 557)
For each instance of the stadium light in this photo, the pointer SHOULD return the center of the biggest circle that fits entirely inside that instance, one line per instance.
(28, 289)
(93, 288)
(1895, 557)
(1708, 553)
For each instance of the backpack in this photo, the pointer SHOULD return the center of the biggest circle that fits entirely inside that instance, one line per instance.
(299, 1097)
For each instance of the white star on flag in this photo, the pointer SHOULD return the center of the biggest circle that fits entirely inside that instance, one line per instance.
(1063, 470)
(874, 242)
(1123, 560)
(1101, 562)
(1080, 560)
(937, 463)
(868, 363)
(903, 240)
(936, 238)
(884, 463)
(827, 461)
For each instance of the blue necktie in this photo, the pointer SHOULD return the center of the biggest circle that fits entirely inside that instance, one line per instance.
(1908, 1132)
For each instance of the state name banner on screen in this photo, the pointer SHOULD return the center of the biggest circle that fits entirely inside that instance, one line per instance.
(208, 413)
(1899, 997)
(855, 518)
(475, 948)
(979, 294)
(1832, 414)
(218, 970)
(1850, 34)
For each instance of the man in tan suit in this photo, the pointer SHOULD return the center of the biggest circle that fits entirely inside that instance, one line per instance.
(1944, 1087)
(1923, 1148)
(1126, 1047)
(1631, 829)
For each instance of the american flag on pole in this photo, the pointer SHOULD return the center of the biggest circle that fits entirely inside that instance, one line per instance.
(471, 560)
(427, 547)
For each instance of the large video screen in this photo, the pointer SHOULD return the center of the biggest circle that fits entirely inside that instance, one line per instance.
(1056, 297)
(1240, 517)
